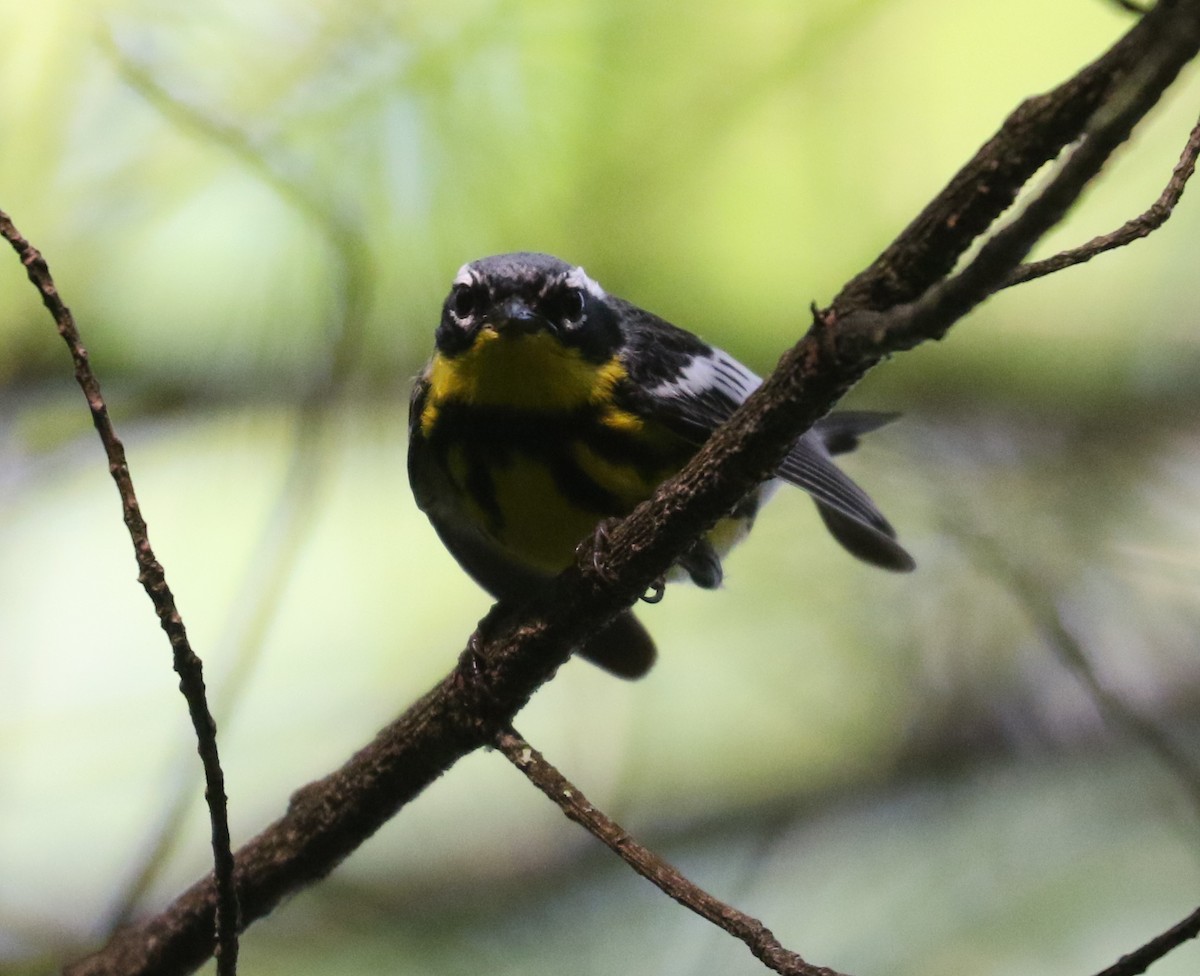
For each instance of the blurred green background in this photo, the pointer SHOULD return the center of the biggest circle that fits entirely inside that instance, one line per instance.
(254, 209)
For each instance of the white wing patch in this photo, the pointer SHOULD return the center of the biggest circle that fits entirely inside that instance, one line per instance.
(714, 372)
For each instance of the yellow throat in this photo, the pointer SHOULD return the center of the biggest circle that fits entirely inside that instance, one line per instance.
(523, 371)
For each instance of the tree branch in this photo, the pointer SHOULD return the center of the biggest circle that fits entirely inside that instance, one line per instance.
(1138, 961)
(1036, 131)
(1141, 226)
(943, 304)
(153, 579)
(892, 306)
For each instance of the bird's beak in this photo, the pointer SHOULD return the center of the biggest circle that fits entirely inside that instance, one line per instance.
(514, 317)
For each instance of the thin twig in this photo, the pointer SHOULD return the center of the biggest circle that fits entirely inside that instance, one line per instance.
(153, 579)
(1132, 6)
(1141, 226)
(1034, 133)
(949, 300)
(1138, 961)
(756, 936)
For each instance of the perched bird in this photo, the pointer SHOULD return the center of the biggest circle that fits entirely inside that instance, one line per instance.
(550, 405)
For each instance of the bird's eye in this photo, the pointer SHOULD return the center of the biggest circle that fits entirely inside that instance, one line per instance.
(465, 301)
(568, 306)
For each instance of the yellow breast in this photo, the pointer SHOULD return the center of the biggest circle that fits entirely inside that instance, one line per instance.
(538, 497)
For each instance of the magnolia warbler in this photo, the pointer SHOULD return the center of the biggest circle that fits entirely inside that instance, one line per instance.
(550, 405)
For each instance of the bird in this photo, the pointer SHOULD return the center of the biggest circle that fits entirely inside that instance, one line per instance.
(550, 406)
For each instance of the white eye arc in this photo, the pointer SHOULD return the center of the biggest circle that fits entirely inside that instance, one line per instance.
(464, 299)
(578, 278)
(573, 304)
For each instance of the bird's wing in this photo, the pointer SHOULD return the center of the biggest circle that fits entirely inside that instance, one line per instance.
(692, 388)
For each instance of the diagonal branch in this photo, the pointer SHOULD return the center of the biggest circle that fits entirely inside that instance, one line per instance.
(1036, 131)
(931, 315)
(1141, 959)
(757, 937)
(328, 819)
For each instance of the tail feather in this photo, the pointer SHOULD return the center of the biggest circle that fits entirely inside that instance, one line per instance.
(848, 512)
(840, 431)
(623, 648)
(866, 542)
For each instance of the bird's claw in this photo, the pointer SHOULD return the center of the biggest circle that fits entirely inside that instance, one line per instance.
(656, 591)
(596, 546)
